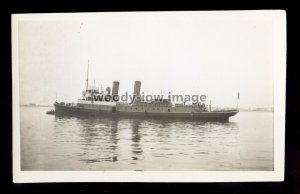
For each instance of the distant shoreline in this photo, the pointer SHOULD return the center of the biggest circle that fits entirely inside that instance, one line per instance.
(34, 105)
(257, 110)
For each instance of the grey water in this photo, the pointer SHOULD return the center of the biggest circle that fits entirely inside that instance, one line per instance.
(49, 142)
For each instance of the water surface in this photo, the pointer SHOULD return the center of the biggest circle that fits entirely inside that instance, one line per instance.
(50, 142)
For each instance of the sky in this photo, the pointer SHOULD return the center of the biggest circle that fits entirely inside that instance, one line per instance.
(196, 53)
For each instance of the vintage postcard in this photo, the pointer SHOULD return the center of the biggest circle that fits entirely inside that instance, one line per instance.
(183, 96)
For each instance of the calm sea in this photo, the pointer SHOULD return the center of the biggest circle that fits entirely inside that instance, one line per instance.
(50, 142)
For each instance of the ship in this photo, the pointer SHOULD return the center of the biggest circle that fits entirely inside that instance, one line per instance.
(99, 103)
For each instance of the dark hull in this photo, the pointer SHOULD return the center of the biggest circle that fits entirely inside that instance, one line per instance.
(223, 116)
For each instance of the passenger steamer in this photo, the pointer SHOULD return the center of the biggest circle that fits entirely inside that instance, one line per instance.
(106, 104)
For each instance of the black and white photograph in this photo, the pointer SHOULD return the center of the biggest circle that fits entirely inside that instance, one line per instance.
(165, 96)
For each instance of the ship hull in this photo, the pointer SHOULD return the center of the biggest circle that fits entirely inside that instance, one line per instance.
(223, 116)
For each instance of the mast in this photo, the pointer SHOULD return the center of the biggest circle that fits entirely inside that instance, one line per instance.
(87, 76)
(237, 101)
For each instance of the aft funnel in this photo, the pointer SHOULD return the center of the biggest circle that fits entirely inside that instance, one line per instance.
(137, 91)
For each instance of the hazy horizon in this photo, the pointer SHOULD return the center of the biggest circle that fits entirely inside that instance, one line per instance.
(191, 53)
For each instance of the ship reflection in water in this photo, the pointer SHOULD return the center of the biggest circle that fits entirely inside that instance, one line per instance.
(75, 143)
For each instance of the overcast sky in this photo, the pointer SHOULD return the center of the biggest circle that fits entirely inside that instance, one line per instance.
(182, 53)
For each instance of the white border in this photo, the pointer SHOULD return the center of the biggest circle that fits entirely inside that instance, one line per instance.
(279, 19)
